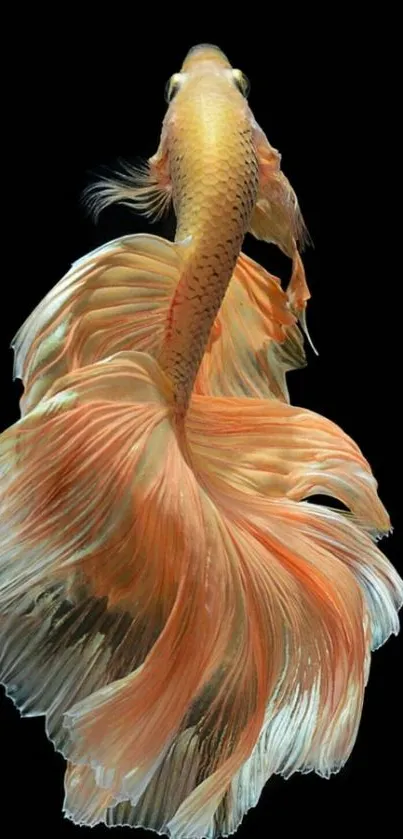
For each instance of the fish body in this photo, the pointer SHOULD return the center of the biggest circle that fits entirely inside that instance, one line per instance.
(213, 170)
(186, 621)
(217, 168)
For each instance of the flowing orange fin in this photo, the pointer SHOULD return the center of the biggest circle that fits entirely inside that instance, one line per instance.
(85, 802)
(308, 584)
(114, 299)
(126, 539)
(68, 619)
(255, 340)
(298, 295)
(117, 299)
(277, 217)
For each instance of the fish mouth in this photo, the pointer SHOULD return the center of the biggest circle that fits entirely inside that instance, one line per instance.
(205, 52)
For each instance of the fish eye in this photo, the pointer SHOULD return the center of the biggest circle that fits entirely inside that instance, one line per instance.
(242, 82)
(172, 87)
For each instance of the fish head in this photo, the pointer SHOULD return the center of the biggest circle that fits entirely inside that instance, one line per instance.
(206, 63)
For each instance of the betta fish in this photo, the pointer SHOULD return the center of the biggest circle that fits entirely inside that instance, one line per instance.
(188, 622)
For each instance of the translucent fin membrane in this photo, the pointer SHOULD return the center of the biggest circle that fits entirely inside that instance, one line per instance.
(114, 299)
(139, 187)
(126, 540)
(117, 299)
(255, 341)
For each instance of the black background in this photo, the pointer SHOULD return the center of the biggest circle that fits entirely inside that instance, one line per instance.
(325, 95)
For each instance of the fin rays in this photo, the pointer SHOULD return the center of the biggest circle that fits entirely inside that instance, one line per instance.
(137, 187)
(111, 594)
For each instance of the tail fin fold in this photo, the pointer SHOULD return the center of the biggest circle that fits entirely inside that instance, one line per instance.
(116, 299)
(211, 626)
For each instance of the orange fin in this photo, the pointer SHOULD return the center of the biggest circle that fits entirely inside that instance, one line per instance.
(68, 620)
(125, 540)
(117, 299)
(298, 295)
(277, 217)
(114, 299)
(298, 291)
(255, 339)
(87, 803)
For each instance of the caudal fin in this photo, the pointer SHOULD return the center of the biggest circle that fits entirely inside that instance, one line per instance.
(117, 299)
(200, 624)
(114, 299)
